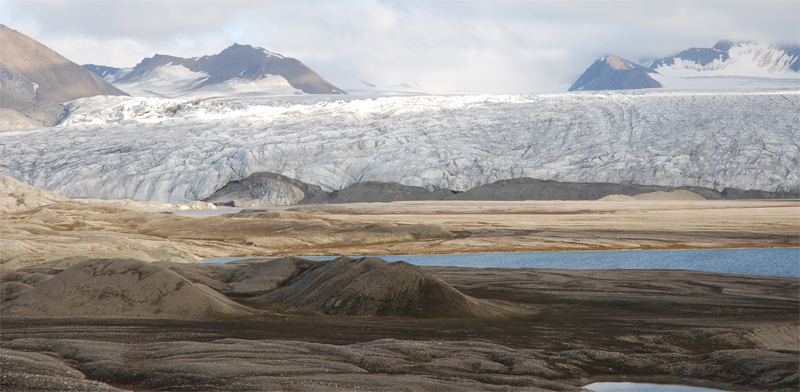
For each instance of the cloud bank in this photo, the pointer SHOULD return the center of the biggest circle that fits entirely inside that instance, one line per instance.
(432, 46)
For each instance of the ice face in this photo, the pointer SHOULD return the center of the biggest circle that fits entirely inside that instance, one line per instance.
(177, 150)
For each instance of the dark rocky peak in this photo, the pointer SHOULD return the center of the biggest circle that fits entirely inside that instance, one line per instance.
(237, 49)
(614, 73)
(723, 45)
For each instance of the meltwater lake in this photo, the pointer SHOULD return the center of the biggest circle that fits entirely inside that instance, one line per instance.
(644, 387)
(755, 261)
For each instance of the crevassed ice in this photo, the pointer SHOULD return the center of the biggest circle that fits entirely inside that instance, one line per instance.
(170, 150)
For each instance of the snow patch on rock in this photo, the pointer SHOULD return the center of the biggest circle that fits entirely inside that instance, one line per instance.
(169, 80)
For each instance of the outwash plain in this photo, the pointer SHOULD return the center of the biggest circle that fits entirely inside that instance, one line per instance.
(109, 295)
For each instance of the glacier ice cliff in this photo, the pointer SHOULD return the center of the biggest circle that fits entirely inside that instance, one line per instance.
(177, 150)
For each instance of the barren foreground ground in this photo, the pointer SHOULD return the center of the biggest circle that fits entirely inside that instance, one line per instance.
(734, 332)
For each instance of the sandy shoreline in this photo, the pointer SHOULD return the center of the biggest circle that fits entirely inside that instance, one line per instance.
(74, 231)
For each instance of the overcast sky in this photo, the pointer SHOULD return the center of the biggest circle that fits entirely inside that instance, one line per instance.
(440, 46)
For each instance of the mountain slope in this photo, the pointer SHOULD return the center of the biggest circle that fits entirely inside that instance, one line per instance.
(239, 69)
(614, 73)
(34, 78)
(54, 77)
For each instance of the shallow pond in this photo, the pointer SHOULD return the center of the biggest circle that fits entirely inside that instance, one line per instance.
(218, 211)
(756, 261)
(644, 387)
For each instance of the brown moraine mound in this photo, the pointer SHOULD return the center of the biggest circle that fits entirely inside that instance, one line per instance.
(372, 287)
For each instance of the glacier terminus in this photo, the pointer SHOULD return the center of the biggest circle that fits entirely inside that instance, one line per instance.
(174, 150)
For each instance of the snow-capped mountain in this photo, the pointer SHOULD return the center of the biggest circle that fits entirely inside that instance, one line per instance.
(173, 150)
(728, 63)
(237, 70)
(614, 73)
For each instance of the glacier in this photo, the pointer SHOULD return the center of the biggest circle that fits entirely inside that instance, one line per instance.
(178, 150)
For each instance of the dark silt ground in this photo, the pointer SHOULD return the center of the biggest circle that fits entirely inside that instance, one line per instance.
(735, 332)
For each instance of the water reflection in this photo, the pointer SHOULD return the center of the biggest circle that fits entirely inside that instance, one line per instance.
(644, 387)
(756, 261)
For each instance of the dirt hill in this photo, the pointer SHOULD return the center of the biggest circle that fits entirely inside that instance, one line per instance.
(372, 287)
(121, 288)
(16, 195)
(247, 278)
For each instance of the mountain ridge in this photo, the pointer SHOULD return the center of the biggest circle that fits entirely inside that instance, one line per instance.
(721, 51)
(234, 67)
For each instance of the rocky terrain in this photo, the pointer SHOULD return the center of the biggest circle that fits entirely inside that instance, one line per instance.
(269, 189)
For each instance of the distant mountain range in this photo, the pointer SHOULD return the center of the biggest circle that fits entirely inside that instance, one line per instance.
(237, 70)
(33, 77)
(725, 64)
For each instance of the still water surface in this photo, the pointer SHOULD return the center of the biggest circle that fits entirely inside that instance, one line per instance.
(643, 387)
(756, 261)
